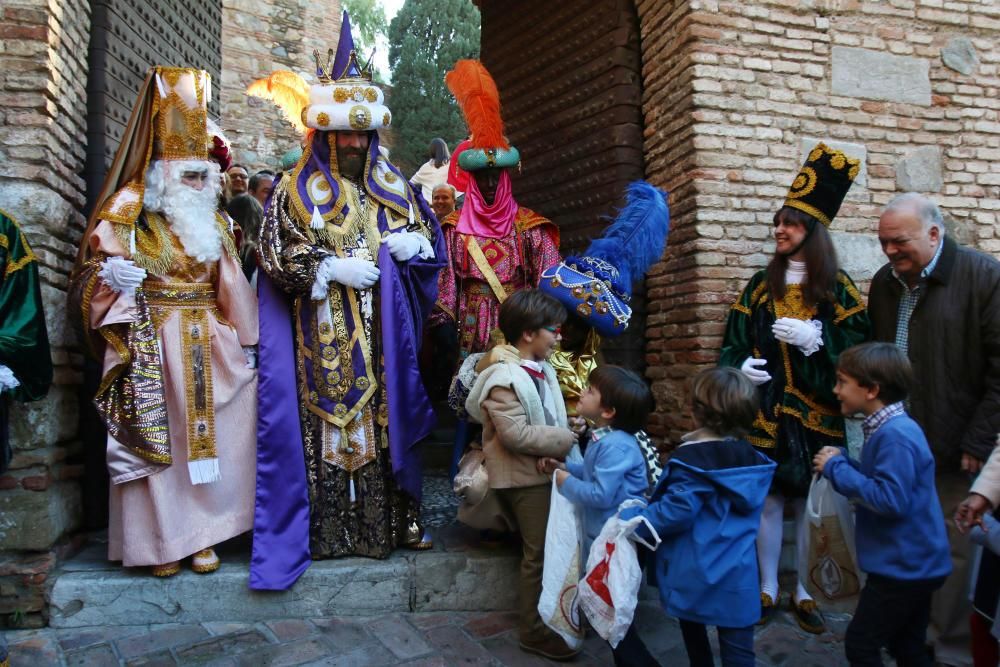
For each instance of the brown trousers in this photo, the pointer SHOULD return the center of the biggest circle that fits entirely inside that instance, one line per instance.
(950, 607)
(529, 507)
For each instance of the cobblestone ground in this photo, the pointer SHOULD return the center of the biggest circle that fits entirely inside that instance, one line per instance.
(400, 639)
(468, 638)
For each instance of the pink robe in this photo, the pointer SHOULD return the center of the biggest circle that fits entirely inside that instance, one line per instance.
(465, 299)
(157, 515)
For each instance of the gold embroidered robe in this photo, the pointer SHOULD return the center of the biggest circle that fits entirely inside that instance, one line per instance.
(156, 514)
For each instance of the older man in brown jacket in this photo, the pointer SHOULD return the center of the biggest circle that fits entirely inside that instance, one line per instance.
(940, 303)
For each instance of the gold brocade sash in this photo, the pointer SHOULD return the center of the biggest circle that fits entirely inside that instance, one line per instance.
(130, 398)
(193, 301)
(484, 267)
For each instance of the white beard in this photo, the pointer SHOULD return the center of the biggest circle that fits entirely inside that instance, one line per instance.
(190, 213)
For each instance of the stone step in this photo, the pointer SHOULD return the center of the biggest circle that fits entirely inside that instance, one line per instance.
(459, 574)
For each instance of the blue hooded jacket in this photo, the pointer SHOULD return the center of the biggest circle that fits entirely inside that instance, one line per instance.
(706, 509)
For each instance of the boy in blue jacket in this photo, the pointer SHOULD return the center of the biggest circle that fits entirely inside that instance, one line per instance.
(900, 531)
(706, 509)
(616, 402)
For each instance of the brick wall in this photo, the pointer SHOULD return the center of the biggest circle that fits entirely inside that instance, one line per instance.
(682, 320)
(258, 38)
(43, 79)
(42, 147)
(736, 92)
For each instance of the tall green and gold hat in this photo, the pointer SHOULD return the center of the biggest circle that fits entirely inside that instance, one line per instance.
(822, 183)
(478, 98)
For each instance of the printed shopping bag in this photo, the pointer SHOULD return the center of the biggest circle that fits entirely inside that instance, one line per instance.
(608, 594)
(557, 605)
(829, 566)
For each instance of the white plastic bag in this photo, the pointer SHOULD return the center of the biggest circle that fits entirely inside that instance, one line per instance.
(829, 567)
(609, 593)
(557, 605)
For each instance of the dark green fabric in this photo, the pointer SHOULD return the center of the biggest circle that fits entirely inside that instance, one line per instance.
(24, 341)
(748, 334)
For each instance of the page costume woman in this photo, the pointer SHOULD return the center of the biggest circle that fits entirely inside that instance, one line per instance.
(799, 413)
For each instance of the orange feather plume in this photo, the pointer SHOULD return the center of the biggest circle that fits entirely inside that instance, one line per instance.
(288, 91)
(478, 98)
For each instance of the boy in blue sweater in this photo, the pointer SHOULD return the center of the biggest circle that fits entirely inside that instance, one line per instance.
(900, 531)
(616, 402)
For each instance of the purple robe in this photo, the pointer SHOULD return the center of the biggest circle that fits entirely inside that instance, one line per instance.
(407, 291)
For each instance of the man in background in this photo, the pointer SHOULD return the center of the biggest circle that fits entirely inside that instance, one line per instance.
(443, 200)
(236, 181)
(261, 185)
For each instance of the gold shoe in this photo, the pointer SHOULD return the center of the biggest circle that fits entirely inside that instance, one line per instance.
(424, 544)
(417, 538)
(166, 570)
(767, 608)
(807, 615)
(205, 561)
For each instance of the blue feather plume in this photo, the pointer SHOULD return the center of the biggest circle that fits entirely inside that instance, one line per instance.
(636, 239)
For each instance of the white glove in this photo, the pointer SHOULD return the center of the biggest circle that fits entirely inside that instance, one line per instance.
(805, 335)
(351, 271)
(7, 379)
(122, 275)
(405, 245)
(250, 352)
(754, 370)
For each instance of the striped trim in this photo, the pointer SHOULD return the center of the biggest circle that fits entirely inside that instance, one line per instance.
(811, 210)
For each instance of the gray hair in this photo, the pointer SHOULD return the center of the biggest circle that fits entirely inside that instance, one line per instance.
(925, 209)
(451, 187)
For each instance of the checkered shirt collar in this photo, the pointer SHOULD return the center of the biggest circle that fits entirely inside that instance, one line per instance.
(875, 420)
(600, 432)
(927, 269)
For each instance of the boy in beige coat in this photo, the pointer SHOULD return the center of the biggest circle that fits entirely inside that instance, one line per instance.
(523, 415)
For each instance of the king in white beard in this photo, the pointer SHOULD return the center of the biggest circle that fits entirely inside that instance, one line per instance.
(187, 194)
(205, 312)
(171, 316)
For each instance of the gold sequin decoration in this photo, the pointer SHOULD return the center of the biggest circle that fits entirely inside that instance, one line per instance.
(359, 117)
(803, 184)
(322, 118)
(200, 405)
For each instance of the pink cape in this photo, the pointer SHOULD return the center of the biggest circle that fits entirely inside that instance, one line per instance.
(493, 221)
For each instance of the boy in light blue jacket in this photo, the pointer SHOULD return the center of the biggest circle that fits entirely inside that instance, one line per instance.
(900, 533)
(617, 403)
(706, 509)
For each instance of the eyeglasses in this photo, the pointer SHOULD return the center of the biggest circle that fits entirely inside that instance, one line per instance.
(556, 330)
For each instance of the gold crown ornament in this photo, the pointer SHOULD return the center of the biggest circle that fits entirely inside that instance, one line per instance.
(344, 98)
(181, 114)
(822, 183)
